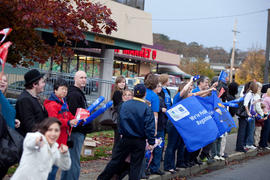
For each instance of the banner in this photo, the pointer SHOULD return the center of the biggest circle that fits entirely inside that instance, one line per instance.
(218, 111)
(194, 123)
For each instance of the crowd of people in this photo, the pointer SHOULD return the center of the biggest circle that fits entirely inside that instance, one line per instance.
(52, 140)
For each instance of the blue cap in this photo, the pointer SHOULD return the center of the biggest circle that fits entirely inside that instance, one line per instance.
(139, 90)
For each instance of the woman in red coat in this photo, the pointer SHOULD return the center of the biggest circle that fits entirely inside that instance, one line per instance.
(57, 107)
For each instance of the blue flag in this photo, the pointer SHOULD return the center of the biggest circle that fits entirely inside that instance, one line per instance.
(218, 111)
(194, 123)
(223, 76)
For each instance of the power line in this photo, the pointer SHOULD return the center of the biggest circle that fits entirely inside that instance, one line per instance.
(204, 18)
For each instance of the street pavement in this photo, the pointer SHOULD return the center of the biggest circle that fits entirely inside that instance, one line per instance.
(254, 169)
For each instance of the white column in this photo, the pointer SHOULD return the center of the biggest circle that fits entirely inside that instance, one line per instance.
(106, 72)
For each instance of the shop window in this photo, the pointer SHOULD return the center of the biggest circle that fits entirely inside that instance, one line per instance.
(153, 68)
(117, 68)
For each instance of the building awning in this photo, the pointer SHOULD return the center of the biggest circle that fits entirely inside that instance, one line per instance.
(172, 70)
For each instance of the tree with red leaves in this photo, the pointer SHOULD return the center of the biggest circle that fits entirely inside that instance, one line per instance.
(68, 19)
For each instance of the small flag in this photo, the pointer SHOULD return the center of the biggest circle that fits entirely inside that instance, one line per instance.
(3, 54)
(221, 92)
(5, 32)
(223, 76)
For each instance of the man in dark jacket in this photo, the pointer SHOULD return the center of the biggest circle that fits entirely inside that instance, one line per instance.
(76, 99)
(136, 124)
(29, 110)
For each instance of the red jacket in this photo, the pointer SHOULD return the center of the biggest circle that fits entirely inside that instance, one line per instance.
(59, 109)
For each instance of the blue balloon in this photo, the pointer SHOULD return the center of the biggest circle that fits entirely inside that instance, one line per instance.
(196, 77)
(98, 112)
(237, 100)
(95, 104)
(235, 105)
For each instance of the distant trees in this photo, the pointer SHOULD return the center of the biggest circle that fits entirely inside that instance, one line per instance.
(252, 67)
(198, 67)
(193, 49)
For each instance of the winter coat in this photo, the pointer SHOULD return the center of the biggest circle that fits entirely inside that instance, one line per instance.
(58, 108)
(30, 112)
(76, 99)
(37, 163)
(7, 110)
(136, 120)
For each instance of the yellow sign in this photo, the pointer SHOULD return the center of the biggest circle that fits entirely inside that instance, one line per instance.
(104, 40)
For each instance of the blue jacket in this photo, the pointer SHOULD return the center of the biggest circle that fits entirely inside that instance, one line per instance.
(8, 111)
(136, 119)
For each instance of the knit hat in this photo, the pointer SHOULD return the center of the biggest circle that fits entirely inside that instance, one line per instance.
(32, 76)
(139, 90)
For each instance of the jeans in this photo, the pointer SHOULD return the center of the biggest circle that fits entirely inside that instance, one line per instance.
(241, 135)
(173, 143)
(181, 153)
(157, 154)
(215, 151)
(53, 172)
(74, 172)
(265, 133)
(250, 132)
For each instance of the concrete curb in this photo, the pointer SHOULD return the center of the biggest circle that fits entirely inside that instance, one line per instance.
(238, 156)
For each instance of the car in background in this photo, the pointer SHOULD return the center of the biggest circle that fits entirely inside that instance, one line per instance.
(138, 80)
(173, 90)
(18, 86)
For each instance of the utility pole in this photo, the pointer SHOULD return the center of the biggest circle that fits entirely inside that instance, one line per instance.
(233, 50)
(266, 67)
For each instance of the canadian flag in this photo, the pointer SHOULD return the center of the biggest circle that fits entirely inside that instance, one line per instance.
(5, 32)
(3, 53)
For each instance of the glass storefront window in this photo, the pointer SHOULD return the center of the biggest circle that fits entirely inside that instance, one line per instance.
(127, 69)
(117, 68)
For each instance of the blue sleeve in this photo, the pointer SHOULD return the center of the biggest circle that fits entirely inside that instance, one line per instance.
(177, 98)
(155, 103)
(195, 90)
(7, 111)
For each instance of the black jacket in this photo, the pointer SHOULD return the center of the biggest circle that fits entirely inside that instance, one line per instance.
(162, 117)
(30, 112)
(136, 119)
(76, 99)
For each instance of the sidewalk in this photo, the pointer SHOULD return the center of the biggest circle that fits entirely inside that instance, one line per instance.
(90, 170)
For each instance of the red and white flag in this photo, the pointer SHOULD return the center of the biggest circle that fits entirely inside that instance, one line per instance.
(3, 53)
(222, 90)
(5, 32)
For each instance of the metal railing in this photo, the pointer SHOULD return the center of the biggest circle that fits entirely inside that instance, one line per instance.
(95, 87)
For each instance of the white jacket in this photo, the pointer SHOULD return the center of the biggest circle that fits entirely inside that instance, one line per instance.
(37, 164)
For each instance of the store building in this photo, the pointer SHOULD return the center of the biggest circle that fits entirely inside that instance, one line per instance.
(128, 16)
(129, 63)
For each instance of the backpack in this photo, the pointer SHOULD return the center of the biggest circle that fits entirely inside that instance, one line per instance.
(11, 145)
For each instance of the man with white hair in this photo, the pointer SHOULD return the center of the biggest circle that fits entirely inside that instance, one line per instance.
(76, 99)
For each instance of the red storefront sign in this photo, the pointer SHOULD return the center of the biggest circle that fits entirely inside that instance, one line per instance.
(144, 53)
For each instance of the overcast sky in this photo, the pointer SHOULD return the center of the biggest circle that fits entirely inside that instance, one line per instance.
(211, 32)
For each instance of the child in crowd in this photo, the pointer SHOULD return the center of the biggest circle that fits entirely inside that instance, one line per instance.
(259, 124)
(127, 95)
(40, 152)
